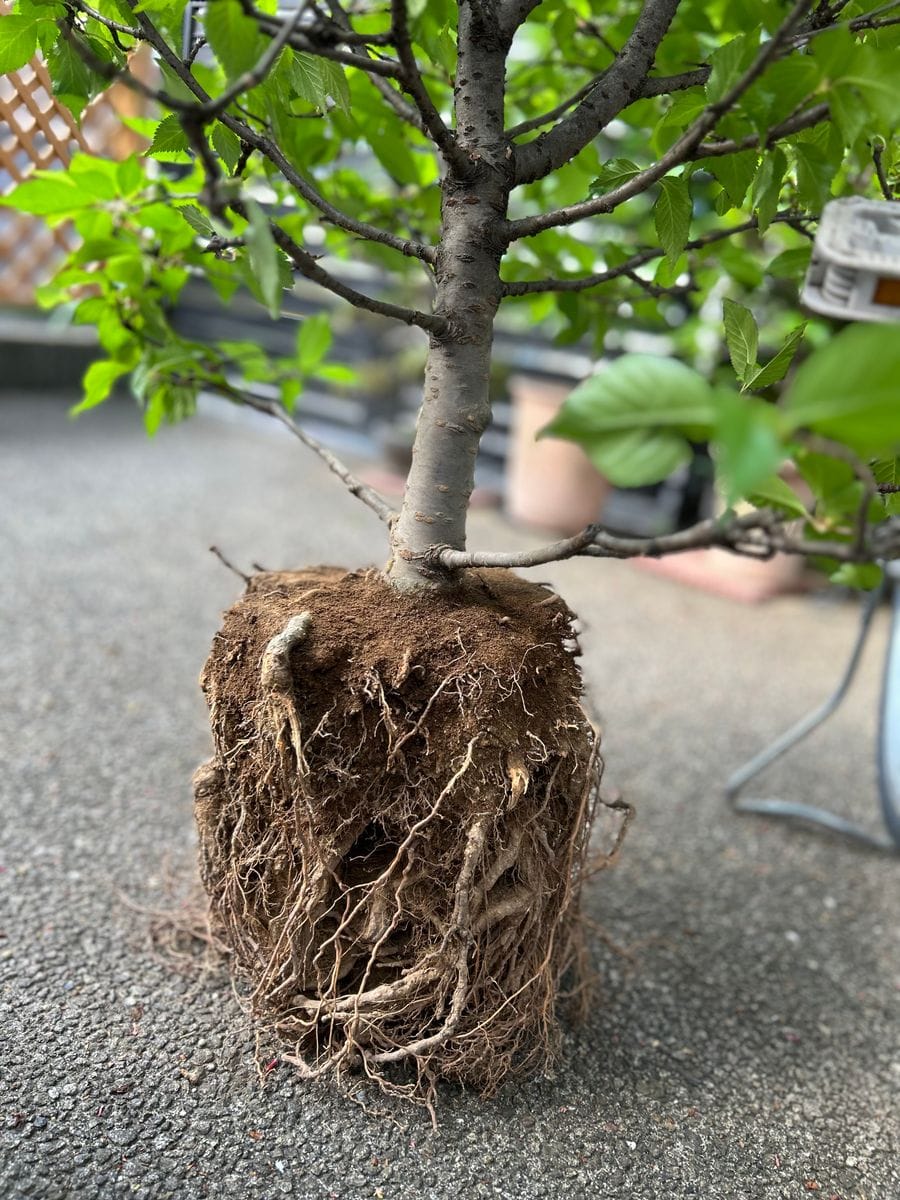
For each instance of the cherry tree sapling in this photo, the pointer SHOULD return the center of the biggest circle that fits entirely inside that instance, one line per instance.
(394, 822)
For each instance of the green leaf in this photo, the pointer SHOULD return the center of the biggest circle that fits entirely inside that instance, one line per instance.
(773, 492)
(334, 83)
(849, 388)
(742, 337)
(735, 172)
(858, 575)
(233, 37)
(777, 367)
(638, 457)
(790, 264)
(306, 78)
(849, 112)
(814, 174)
(154, 411)
(637, 391)
(98, 383)
(786, 83)
(613, 173)
(74, 83)
(728, 64)
(227, 145)
(635, 416)
(767, 186)
(169, 137)
(887, 470)
(832, 481)
(263, 255)
(394, 154)
(18, 42)
(313, 342)
(672, 214)
(48, 194)
(130, 177)
(197, 220)
(747, 448)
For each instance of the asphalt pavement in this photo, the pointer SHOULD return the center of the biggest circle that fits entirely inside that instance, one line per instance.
(744, 1042)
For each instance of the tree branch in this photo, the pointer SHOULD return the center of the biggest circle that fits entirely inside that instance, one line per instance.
(621, 84)
(268, 148)
(413, 83)
(307, 265)
(866, 21)
(108, 22)
(680, 152)
(513, 13)
(374, 500)
(662, 85)
(531, 287)
(792, 124)
(547, 117)
(343, 31)
(300, 40)
(760, 534)
(255, 76)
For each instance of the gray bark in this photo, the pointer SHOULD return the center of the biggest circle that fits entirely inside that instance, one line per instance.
(456, 405)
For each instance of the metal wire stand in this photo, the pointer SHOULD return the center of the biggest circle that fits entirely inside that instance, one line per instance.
(888, 738)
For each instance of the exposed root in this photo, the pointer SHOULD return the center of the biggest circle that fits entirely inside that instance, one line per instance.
(394, 826)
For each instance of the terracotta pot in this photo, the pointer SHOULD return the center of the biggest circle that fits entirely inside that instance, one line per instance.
(738, 578)
(550, 484)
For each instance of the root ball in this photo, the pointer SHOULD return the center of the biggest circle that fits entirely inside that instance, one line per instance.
(394, 822)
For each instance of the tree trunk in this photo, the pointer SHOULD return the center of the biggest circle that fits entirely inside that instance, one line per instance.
(456, 404)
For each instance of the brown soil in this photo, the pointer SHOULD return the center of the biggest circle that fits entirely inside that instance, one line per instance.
(394, 824)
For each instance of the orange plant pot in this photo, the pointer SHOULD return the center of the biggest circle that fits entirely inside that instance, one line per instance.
(550, 484)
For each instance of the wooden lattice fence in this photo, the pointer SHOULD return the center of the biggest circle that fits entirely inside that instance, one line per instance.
(38, 133)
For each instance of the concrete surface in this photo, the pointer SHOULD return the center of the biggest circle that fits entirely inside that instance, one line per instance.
(746, 1049)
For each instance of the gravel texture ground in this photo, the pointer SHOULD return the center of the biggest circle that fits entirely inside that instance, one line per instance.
(744, 1047)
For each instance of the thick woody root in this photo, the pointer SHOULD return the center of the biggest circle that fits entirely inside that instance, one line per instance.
(394, 825)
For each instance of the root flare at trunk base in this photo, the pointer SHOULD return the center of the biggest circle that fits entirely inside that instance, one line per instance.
(394, 824)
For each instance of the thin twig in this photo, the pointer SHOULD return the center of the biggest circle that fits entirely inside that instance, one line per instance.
(413, 83)
(531, 287)
(230, 565)
(372, 499)
(878, 161)
(307, 265)
(300, 40)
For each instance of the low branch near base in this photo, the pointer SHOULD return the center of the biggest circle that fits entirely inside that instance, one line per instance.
(759, 534)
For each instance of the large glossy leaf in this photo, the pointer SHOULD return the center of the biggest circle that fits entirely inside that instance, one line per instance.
(635, 416)
(746, 445)
(18, 40)
(637, 457)
(850, 389)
